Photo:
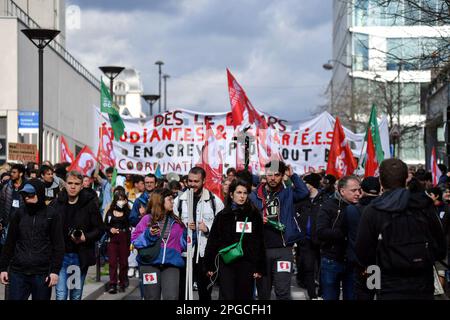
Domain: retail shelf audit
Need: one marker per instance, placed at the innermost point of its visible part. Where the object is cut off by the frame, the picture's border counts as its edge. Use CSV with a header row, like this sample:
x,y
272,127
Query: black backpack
x,y
405,244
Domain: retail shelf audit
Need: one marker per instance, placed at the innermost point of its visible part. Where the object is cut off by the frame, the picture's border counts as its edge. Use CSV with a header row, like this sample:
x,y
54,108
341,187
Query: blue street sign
x,y
28,120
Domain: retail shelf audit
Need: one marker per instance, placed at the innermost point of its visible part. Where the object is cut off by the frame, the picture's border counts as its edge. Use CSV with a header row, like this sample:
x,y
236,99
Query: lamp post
x,y
159,63
111,72
151,99
165,77
41,38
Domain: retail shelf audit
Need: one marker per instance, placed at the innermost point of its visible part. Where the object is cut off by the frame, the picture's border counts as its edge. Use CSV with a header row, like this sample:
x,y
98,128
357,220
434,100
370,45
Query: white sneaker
x,y
136,273
130,272
318,298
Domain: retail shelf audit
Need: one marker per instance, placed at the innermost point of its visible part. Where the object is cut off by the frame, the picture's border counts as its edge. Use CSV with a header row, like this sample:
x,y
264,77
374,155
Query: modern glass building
x,y
383,55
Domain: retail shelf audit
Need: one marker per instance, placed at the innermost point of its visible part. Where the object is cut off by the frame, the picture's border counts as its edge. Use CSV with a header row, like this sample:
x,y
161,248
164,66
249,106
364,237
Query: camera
x,y
76,233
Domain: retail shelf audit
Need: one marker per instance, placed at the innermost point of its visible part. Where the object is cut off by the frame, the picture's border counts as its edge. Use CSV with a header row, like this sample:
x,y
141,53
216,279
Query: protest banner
x,y
175,139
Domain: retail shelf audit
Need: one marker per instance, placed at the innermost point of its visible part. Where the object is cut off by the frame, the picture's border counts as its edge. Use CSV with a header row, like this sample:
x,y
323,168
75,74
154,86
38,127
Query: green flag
x,y
114,179
107,106
373,125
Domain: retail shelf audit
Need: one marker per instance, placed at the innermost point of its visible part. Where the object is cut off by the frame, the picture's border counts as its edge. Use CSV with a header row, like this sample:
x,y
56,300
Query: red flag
x,y
340,159
85,162
212,163
66,154
371,169
105,154
435,171
242,110
245,115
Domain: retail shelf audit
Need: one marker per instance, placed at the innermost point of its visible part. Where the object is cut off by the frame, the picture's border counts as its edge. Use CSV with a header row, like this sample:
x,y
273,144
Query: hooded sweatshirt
x,y
35,243
376,214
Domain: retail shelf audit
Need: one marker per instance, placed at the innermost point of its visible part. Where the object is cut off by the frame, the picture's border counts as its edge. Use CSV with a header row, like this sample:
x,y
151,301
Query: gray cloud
x,y
274,48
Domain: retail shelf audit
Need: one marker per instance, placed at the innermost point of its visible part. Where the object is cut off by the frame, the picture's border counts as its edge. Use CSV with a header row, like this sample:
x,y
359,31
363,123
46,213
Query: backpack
x,y
405,244
212,202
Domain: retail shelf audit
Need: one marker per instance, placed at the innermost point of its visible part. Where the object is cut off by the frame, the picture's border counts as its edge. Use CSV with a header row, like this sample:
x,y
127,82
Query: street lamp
x,y
330,66
41,38
165,77
151,99
111,72
159,63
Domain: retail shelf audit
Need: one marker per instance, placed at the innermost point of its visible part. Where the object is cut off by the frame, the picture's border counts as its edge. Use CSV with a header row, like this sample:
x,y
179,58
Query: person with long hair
x,y
236,279
118,227
160,276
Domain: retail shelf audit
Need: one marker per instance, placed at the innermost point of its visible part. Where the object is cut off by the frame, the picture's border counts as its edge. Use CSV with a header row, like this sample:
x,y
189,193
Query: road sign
x,y
28,122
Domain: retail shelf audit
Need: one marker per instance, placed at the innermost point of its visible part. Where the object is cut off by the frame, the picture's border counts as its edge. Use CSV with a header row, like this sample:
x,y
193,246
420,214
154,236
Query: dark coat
x,y
350,225
223,233
35,243
330,231
372,220
6,201
88,219
307,211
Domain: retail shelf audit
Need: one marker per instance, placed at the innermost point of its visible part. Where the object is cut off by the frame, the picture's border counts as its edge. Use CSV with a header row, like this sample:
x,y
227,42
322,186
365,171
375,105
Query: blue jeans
x,y
71,279
22,285
332,274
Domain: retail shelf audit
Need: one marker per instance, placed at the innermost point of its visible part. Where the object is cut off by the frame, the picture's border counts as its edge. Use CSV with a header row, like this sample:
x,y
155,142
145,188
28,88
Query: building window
x,y
120,100
120,88
415,53
361,12
360,52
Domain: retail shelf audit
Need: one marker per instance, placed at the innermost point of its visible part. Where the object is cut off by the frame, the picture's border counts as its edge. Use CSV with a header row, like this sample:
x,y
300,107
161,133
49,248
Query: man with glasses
x,y
276,203
334,266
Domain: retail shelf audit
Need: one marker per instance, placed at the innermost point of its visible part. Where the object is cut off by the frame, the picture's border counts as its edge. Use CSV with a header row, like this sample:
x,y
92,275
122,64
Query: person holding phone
x,y
34,248
160,276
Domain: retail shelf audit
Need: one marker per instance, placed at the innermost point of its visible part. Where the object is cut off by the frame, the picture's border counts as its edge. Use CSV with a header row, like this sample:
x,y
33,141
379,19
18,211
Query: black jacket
x,y
350,225
223,233
122,223
88,219
307,211
329,229
35,243
374,217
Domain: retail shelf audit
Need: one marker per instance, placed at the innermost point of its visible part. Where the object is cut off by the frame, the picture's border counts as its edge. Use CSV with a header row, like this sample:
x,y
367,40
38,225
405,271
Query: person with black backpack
x,y
401,234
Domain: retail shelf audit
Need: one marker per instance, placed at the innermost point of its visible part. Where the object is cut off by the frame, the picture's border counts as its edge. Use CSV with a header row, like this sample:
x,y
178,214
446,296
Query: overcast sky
x,y
274,48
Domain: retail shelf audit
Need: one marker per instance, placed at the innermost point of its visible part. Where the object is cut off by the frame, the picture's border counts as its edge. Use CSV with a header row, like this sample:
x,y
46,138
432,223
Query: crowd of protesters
x,y
328,232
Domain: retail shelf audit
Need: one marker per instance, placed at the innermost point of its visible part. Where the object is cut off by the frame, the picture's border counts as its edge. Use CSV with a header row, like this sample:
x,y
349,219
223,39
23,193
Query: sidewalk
x,y
92,290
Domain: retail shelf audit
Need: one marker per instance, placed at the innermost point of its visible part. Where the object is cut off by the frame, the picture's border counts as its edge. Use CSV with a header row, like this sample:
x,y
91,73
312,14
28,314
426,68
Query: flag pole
x,y
188,284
